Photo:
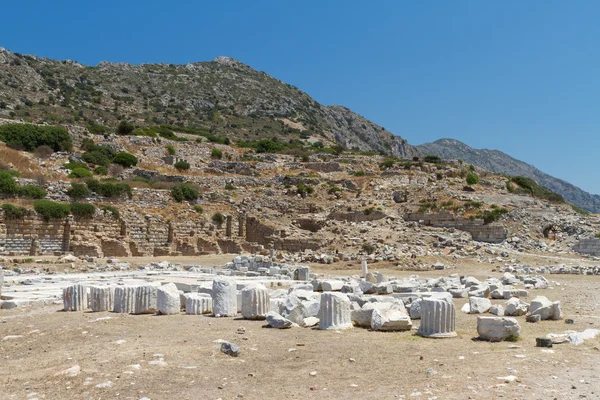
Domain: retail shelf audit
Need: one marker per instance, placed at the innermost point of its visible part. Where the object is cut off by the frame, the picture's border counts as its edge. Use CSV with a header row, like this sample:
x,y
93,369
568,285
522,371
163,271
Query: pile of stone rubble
x,y
553,269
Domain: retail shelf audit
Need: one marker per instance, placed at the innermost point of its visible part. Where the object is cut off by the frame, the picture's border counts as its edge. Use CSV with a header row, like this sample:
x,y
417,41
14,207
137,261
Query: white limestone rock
x,y
224,298
497,309
496,329
276,321
332,285
516,307
415,309
390,320
168,300
479,305
545,308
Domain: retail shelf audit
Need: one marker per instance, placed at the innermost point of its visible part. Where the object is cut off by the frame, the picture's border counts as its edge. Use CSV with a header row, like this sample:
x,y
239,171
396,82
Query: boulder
x,y
277,321
390,320
516,307
332,285
479,305
545,308
168,300
496,329
497,309
415,309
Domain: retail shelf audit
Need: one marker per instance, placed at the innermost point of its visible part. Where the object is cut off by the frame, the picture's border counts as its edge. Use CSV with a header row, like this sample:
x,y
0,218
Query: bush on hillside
x,y
80,173
79,191
218,218
14,212
82,210
472,179
29,137
49,209
125,128
125,159
8,184
107,189
182,165
185,191
112,210
32,192
216,153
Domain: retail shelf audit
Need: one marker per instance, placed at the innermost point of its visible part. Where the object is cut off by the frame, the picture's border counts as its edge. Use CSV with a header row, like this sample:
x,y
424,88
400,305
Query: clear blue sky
x,y
519,76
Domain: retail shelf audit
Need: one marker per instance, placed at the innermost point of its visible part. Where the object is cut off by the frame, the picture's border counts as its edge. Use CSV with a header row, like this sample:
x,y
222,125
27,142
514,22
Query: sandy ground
x,y
176,357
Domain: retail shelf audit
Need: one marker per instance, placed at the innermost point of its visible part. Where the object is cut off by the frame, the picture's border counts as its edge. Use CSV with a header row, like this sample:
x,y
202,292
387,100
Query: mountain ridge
x,y
502,163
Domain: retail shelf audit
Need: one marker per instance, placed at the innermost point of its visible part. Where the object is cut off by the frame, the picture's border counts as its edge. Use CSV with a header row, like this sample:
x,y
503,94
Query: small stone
x,y
543,342
230,349
313,373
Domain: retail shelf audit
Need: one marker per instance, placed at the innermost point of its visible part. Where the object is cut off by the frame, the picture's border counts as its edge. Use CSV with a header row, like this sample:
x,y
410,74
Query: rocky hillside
x,y
223,97
499,162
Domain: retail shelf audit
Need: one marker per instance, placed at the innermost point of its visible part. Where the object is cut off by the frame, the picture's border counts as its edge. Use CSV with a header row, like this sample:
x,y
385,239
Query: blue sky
x,y
521,77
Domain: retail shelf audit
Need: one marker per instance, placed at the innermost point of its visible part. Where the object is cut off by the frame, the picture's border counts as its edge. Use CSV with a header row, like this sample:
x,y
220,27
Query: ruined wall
x,y
266,235
589,246
477,229
104,236
357,216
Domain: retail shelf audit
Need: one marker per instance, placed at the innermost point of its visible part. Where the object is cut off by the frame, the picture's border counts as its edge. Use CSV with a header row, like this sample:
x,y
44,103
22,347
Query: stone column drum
x,y
335,311
146,299
75,298
365,269
224,295
101,298
198,303
255,302
124,299
437,318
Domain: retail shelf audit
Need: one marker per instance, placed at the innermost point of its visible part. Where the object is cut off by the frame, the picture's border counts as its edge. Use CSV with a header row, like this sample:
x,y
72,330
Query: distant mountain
x,y
499,162
224,96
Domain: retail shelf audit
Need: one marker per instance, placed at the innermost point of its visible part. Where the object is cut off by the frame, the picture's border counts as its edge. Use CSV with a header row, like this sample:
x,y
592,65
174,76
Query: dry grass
x,y
20,162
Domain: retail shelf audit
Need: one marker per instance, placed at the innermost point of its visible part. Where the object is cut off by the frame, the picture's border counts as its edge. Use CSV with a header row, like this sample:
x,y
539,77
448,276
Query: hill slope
x,y
499,162
223,96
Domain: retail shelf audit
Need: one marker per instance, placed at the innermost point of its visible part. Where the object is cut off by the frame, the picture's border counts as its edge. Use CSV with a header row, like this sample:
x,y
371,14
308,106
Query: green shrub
x,y
101,170
125,159
79,191
492,215
80,173
171,150
107,189
510,187
229,186
125,128
528,185
359,173
216,153
32,192
8,185
369,210
198,209
368,248
218,218
472,179
112,210
579,210
303,189
29,137
182,165
49,209
432,159
99,155
387,164
14,212
82,210
185,191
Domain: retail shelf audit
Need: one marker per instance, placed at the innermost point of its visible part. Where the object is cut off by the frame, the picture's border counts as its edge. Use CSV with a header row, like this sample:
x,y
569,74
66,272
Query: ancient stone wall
x,y
588,246
477,229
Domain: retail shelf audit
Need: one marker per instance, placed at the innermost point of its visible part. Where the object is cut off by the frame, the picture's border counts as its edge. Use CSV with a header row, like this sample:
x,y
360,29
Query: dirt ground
x,y
177,357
